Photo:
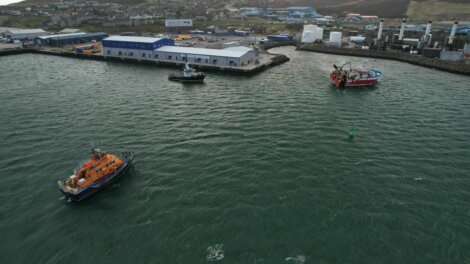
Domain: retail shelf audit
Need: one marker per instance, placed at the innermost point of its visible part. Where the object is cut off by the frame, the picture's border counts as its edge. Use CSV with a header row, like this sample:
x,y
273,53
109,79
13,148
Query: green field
x,y
23,22
434,9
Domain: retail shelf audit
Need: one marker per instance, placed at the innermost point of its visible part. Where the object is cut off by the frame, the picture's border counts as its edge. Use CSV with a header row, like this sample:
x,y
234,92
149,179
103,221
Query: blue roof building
x,y
133,47
252,11
137,43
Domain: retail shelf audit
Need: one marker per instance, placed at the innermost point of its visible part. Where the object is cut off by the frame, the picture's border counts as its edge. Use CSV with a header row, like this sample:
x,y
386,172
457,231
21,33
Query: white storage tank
x,y
319,33
335,37
453,56
308,37
357,39
311,28
466,49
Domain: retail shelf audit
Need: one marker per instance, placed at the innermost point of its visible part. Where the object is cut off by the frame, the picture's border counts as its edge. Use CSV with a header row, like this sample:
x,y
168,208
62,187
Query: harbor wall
x,y
5,52
434,63
275,60
275,44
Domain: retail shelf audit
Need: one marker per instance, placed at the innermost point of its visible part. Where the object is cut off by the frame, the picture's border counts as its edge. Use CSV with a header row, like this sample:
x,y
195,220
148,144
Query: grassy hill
x,y
434,9
382,8
419,9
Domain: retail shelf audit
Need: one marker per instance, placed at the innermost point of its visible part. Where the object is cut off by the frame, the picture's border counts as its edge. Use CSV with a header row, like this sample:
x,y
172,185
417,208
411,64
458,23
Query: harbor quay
x,y
234,59
446,50
434,63
266,61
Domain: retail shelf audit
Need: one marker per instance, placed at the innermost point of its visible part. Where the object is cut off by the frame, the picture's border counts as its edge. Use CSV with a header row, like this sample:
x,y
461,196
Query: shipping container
x,y
431,52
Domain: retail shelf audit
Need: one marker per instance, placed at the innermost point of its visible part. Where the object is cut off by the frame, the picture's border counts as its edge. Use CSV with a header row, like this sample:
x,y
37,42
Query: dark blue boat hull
x,y
127,158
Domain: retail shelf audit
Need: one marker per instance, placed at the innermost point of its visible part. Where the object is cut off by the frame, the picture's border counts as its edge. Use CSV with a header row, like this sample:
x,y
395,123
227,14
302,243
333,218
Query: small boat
x,y
99,171
189,75
358,77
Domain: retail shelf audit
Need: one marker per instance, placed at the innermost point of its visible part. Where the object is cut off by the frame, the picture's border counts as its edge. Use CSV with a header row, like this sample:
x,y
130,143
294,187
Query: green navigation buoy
x,y
352,132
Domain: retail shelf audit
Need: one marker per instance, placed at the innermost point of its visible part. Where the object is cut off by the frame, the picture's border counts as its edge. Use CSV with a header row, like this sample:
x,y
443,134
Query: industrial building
x,y
69,31
178,23
24,34
251,11
232,56
303,11
61,40
3,30
133,47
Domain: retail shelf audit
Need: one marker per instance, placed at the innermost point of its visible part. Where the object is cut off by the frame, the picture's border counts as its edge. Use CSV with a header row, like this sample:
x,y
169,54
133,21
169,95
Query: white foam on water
x,y
363,161
215,252
300,259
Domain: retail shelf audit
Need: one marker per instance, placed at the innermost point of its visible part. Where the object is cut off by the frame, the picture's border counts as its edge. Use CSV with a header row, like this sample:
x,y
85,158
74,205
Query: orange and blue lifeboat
x,y
96,173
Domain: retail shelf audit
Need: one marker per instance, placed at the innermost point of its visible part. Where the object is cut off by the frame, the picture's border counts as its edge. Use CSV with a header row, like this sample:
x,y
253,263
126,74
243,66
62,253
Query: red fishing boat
x,y
358,77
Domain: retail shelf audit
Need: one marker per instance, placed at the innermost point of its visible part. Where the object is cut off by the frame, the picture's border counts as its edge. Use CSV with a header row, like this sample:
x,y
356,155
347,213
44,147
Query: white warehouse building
x,y
233,56
169,23
24,34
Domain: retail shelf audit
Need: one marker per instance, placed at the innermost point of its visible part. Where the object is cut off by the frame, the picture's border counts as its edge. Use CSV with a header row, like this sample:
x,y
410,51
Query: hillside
x,y
418,9
382,8
434,9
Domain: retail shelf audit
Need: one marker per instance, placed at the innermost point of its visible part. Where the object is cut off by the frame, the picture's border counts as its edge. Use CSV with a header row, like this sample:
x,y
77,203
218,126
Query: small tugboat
x,y
359,77
189,76
100,170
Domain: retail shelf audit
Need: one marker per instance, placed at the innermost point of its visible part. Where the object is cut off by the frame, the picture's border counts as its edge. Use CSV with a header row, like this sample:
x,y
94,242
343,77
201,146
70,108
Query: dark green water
x,y
258,169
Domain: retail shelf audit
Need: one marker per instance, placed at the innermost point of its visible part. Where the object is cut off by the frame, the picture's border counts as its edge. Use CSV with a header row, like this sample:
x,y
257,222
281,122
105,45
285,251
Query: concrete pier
x,y
11,49
267,60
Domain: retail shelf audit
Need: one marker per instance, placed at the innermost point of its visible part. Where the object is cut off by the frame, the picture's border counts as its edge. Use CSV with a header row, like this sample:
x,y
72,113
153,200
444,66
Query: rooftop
x,y
26,31
4,29
70,30
239,48
208,52
133,39
61,35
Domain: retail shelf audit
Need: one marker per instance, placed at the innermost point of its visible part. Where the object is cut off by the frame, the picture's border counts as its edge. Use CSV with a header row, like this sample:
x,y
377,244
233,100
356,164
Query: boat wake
x,y
215,252
300,259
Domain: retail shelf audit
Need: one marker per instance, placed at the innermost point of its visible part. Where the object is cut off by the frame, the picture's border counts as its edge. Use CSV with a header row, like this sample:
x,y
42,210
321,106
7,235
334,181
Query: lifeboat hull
x,y
127,158
190,79
353,83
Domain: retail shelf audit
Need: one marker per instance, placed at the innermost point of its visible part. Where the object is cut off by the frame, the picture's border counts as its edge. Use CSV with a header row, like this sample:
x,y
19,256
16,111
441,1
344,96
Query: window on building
x,y
156,56
131,54
109,52
120,53
169,57
143,55
214,61
207,61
